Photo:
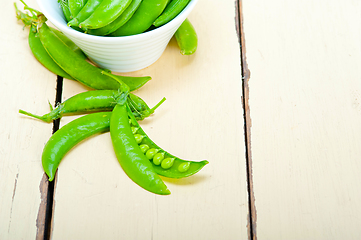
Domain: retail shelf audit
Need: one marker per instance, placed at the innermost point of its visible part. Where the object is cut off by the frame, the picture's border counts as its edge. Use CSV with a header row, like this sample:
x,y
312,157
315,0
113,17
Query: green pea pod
x,y
142,19
75,6
117,23
69,43
129,155
93,101
42,56
170,12
68,136
177,169
66,10
77,67
85,12
106,13
186,38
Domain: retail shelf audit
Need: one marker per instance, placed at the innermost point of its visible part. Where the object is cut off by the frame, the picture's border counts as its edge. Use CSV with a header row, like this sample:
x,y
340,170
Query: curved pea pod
x,y
69,43
105,13
142,19
66,10
118,22
68,136
179,168
78,68
131,158
75,6
42,56
187,38
85,12
170,12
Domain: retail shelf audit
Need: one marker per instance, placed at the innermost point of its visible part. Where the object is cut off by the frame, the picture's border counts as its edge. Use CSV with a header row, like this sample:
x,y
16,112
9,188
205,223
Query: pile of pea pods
x,y
116,18
110,106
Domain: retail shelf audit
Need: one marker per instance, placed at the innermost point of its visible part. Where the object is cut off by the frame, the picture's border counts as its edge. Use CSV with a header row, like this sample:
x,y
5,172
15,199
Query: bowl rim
x,y
68,30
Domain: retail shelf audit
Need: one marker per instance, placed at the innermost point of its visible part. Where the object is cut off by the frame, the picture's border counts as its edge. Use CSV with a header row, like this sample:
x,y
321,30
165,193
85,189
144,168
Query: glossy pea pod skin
x,y
118,22
186,38
66,10
175,171
90,101
75,6
142,19
68,136
85,12
105,13
69,43
77,67
170,12
42,56
129,155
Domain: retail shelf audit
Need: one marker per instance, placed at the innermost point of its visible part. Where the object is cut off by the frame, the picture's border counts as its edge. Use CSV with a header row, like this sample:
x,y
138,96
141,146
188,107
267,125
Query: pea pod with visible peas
x,y
142,19
129,155
68,136
173,167
170,12
187,38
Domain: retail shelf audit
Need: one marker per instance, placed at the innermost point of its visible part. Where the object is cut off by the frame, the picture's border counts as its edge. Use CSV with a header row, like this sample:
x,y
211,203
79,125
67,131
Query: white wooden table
x,y
272,99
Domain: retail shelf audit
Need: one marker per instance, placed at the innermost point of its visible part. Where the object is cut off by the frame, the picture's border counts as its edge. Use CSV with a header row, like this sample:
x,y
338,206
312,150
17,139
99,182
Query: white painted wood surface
x,y
24,84
305,93
201,119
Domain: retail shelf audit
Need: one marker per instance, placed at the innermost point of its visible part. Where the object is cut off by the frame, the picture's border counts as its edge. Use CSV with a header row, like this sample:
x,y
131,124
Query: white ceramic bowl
x,y
119,54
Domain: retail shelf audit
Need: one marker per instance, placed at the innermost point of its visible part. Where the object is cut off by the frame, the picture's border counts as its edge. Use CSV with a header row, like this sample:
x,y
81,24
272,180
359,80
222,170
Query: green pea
x,y
167,163
158,158
183,167
134,130
151,152
138,138
144,147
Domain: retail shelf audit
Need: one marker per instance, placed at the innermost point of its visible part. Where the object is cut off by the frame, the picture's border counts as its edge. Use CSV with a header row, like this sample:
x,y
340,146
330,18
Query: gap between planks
x,y
252,213
44,221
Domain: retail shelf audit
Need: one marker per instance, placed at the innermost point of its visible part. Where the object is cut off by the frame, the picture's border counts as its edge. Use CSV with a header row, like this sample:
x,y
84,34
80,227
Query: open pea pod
x,y
179,168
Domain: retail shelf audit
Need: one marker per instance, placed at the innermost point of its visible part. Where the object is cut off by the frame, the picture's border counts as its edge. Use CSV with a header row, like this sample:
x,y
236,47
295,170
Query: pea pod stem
x,y
94,101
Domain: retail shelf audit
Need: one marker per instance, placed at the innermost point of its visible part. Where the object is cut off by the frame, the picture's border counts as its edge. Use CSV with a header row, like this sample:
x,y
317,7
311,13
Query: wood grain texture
x,y
304,90
24,84
201,119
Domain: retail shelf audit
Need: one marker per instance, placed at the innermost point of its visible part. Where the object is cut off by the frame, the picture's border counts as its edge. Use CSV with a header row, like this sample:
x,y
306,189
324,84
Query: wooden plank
x,y
304,98
201,119
24,84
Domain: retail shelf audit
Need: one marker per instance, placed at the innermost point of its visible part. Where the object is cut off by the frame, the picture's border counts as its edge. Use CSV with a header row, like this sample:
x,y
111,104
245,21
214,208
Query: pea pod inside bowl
x,y
118,53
